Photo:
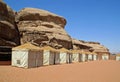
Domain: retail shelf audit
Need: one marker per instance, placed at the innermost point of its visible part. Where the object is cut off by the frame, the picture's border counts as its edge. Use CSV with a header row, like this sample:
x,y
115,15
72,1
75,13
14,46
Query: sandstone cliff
x,y
91,46
39,27
9,34
43,28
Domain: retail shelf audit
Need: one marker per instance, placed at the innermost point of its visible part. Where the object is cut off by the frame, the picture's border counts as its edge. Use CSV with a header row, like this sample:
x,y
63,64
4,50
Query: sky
x,y
89,20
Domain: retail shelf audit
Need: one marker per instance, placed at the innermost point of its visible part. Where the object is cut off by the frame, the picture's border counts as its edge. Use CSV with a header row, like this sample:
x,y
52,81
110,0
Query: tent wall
x,y
70,57
67,58
75,57
90,57
99,56
35,59
112,57
86,57
46,56
117,58
83,57
39,58
57,58
63,57
51,58
32,59
20,58
105,57
80,57
94,57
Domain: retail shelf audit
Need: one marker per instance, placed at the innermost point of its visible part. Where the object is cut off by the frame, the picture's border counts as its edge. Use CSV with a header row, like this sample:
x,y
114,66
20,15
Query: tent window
x,y
18,61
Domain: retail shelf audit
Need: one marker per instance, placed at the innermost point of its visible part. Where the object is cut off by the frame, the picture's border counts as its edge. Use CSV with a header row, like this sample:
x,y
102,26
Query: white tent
x,y
90,56
75,55
49,55
94,56
105,57
27,56
64,56
118,57
57,57
83,56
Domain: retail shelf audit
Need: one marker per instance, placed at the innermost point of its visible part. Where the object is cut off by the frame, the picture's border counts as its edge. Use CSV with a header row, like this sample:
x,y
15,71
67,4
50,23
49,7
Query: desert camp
x,y
59,41
29,55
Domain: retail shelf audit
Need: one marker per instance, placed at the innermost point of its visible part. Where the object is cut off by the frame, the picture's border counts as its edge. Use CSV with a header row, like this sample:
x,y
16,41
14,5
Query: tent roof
x,y
26,46
94,53
48,48
83,52
76,51
118,55
88,52
64,50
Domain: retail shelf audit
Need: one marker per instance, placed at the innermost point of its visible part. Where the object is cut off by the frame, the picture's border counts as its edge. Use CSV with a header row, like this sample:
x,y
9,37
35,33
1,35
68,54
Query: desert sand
x,y
93,71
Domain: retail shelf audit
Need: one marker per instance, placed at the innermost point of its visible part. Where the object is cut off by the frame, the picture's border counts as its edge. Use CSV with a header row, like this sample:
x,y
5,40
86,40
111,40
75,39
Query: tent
x,y
118,57
50,55
75,55
27,56
105,57
90,56
112,57
64,56
83,56
94,56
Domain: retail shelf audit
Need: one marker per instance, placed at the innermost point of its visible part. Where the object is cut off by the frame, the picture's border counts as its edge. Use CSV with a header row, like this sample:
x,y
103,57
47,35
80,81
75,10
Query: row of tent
x,y
117,57
28,56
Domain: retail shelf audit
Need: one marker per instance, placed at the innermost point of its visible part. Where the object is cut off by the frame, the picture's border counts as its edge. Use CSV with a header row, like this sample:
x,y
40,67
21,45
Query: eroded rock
x,y
36,25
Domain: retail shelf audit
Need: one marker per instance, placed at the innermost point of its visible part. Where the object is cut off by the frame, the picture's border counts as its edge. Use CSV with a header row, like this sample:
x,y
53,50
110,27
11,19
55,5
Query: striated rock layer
x,y
39,27
43,28
91,46
9,34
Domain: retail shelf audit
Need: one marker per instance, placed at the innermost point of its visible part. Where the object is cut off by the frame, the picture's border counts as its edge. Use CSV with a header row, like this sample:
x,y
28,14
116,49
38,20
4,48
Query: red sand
x,y
94,71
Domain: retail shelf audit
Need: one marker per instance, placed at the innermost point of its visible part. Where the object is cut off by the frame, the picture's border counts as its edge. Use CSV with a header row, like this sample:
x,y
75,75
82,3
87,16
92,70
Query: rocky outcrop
x,y
79,45
97,47
42,28
91,46
39,27
9,34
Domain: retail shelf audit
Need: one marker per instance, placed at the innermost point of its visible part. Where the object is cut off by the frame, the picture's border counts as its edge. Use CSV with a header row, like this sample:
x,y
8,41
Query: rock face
x,y
42,28
79,45
9,34
39,27
91,46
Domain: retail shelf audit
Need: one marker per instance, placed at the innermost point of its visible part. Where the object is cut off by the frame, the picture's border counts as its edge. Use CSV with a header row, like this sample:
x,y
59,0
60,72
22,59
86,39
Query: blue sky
x,y
89,20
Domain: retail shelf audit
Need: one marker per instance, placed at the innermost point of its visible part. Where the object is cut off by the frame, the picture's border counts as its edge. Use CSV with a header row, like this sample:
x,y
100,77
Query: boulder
x,y
42,27
9,34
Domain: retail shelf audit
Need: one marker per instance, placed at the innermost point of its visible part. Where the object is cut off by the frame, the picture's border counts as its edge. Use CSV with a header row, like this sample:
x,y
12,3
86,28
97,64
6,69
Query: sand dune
x,y
94,71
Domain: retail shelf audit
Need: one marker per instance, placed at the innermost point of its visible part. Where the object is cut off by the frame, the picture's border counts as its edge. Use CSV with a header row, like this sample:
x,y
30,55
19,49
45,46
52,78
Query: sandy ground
x,y
94,71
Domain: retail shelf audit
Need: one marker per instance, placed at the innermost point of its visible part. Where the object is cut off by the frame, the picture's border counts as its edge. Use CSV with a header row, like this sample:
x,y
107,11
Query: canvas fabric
x,y
90,57
94,57
35,59
20,58
46,56
105,57
75,57
117,58
63,57
83,58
